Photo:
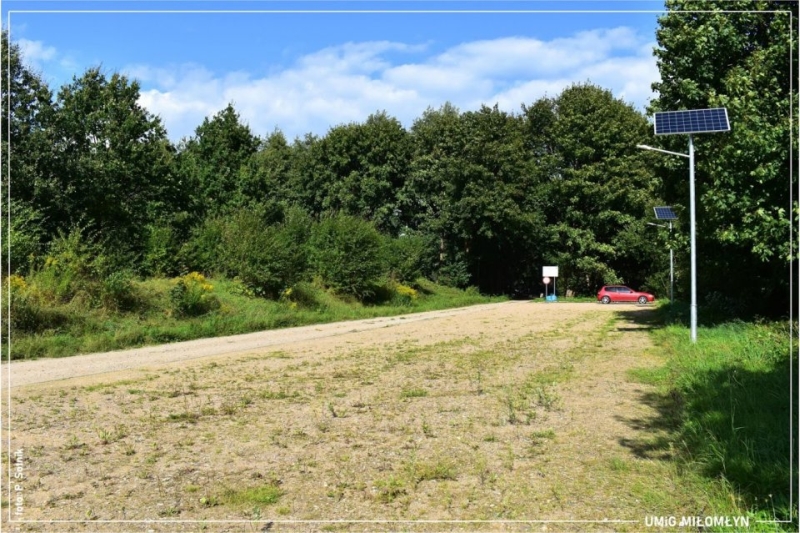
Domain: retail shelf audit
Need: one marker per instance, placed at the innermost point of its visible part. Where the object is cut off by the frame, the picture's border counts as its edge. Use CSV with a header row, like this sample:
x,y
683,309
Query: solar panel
x,y
665,213
692,121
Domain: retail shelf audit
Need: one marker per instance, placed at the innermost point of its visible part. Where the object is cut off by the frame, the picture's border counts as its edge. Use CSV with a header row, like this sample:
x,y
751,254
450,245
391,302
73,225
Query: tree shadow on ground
x,y
727,421
640,318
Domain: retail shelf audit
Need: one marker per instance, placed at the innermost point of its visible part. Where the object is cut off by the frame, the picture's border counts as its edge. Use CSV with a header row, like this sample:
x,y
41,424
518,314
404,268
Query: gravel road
x,y
21,373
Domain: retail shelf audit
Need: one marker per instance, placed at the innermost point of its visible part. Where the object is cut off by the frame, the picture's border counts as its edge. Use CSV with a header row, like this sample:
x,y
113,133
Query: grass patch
x,y
438,469
266,495
388,490
725,404
88,330
618,465
413,393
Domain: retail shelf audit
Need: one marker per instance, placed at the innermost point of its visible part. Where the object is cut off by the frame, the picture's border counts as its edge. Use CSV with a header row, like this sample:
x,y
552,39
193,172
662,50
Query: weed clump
x,y
191,296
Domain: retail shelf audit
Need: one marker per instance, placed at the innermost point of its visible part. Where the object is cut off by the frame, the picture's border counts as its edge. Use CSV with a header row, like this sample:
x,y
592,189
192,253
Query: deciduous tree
x,y
737,55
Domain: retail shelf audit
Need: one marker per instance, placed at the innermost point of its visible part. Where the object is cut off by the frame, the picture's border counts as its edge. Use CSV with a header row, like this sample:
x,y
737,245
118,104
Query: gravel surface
x,y
513,416
22,373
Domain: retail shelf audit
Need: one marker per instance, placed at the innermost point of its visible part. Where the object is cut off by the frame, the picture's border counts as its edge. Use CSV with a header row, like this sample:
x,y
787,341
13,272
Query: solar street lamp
x,y
689,122
666,213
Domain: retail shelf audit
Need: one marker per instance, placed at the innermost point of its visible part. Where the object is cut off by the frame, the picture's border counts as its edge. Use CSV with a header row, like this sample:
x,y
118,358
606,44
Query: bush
x,y
161,250
304,294
26,236
74,264
266,255
454,273
202,252
117,292
404,295
191,296
27,313
411,256
266,259
348,255
55,281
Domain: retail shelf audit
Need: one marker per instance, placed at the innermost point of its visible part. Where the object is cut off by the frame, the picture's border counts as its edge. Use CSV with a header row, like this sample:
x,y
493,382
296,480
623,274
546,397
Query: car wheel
x,y
605,300
642,300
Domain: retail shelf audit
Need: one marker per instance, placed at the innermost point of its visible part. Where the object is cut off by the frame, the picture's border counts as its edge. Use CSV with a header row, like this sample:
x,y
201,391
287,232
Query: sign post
x,y
547,273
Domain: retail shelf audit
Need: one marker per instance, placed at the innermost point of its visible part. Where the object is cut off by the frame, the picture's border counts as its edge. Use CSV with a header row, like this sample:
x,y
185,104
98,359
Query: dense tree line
x,y
481,198
738,55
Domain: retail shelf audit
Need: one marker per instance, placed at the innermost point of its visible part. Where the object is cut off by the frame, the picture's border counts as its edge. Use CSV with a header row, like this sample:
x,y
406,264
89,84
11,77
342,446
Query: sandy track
x,y
21,373
513,411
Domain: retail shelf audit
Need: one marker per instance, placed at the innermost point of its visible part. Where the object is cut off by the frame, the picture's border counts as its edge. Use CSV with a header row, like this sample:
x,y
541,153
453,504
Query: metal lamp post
x,y
689,122
671,263
690,156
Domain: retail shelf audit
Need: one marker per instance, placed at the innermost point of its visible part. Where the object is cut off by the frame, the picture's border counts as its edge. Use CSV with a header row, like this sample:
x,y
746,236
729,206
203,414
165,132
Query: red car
x,y
621,293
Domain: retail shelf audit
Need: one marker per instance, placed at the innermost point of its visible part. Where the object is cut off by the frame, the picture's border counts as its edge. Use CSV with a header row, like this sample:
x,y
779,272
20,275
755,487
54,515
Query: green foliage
x,y
474,188
266,258
48,329
201,251
28,314
267,172
480,198
113,162
76,272
161,250
410,256
727,398
71,266
210,162
600,189
737,55
403,294
26,234
347,253
364,167
454,273
27,116
117,292
264,248
191,296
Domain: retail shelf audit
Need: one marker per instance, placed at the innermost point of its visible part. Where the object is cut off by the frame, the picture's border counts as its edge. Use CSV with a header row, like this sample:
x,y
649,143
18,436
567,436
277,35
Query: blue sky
x,y
304,72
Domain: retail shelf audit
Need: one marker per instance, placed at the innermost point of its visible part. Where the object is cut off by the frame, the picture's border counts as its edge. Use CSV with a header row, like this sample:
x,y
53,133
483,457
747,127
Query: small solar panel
x,y
665,213
692,121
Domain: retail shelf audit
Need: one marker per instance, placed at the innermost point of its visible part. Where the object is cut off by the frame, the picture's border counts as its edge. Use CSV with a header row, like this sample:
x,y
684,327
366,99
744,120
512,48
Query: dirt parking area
x,y
503,417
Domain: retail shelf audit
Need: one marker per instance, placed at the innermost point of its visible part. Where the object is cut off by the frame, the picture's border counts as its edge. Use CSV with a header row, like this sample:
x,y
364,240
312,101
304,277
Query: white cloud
x,y
35,53
346,83
55,67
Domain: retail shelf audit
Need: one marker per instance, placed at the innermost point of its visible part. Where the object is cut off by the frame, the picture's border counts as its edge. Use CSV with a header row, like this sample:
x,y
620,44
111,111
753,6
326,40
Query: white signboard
x,y
551,271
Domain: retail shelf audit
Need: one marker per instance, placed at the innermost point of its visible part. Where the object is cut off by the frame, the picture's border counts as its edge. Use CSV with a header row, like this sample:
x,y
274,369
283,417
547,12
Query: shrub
x,y
266,258
71,266
27,313
191,296
454,274
203,249
117,292
347,253
161,250
404,295
411,256
26,235
304,294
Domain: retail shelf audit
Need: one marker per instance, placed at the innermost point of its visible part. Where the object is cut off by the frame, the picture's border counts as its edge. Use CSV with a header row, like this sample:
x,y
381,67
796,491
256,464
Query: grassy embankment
x,y
726,402
151,316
